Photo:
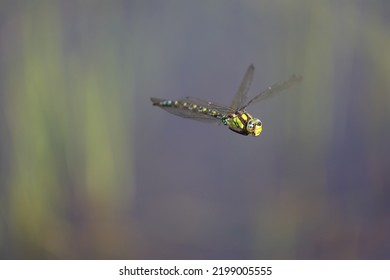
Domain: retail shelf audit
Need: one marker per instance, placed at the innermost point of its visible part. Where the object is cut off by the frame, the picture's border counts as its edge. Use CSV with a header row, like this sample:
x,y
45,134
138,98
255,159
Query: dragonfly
x,y
235,116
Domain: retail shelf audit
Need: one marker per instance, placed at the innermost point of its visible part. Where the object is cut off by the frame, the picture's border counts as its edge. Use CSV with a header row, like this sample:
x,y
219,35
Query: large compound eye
x,y
258,128
250,125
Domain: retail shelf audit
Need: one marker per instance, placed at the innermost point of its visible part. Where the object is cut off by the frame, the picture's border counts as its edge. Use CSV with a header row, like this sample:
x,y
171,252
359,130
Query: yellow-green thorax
x,y
243,123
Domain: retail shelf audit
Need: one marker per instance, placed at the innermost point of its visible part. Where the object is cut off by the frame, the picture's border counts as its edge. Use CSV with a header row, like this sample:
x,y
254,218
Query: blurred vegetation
x,y
66,112
87,171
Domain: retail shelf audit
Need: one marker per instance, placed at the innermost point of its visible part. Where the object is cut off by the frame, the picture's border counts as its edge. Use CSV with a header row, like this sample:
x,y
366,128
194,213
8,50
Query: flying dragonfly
x,y
234,116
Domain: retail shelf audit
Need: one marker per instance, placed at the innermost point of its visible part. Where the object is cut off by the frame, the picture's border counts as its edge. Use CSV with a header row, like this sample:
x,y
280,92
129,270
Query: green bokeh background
x,y
89,169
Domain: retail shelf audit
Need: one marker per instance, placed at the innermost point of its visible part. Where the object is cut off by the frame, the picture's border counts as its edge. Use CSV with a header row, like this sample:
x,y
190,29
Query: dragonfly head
x,y
254,127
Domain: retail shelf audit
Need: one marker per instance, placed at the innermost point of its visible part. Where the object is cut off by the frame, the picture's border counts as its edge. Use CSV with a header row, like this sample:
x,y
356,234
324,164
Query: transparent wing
x,y
241,95
223,109
194,114
275,88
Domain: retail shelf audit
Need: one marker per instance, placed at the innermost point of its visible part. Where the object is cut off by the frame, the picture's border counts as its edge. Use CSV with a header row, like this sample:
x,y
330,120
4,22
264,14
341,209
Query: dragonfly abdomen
x,y
186,109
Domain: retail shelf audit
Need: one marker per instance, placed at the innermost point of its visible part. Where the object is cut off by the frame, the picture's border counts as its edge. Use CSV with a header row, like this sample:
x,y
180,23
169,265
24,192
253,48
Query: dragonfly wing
x,y
209,105
275,88
241,95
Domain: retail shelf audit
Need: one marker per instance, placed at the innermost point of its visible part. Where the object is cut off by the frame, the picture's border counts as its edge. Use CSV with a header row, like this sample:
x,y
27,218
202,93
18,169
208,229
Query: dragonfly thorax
x,y
243,123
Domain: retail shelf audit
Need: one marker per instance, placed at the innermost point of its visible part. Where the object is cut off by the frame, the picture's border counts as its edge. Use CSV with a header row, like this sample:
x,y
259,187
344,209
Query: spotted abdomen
x,y
187,109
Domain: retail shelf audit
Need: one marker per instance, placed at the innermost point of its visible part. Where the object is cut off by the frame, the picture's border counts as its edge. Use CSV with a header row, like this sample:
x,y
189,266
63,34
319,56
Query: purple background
x,y
90,169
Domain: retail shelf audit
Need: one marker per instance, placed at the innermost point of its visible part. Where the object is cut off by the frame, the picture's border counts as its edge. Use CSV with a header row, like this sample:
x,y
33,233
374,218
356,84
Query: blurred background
x,y
89,169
